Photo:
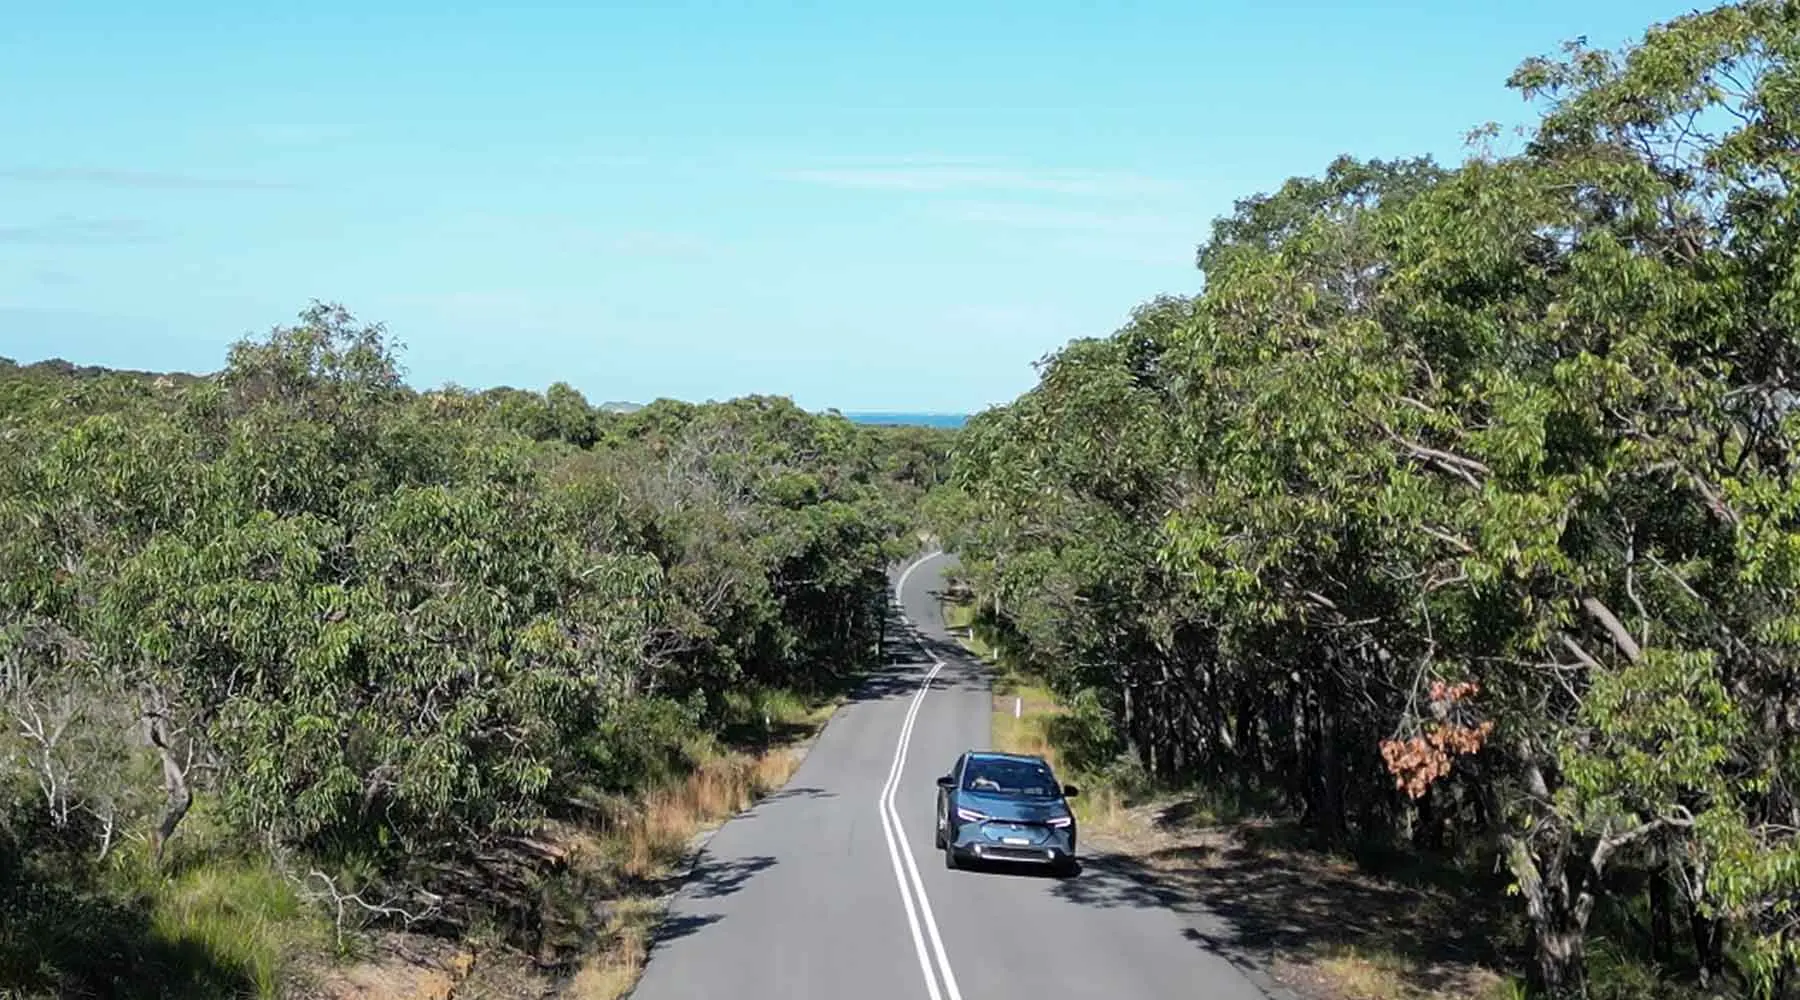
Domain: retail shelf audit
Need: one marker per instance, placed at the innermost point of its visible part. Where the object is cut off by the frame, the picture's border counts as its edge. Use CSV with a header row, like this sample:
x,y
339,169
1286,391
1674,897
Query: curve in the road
x,y
896,832
795,897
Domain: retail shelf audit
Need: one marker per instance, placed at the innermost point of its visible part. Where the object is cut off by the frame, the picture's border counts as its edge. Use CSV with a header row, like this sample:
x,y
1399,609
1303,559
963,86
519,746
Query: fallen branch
x,y
342,901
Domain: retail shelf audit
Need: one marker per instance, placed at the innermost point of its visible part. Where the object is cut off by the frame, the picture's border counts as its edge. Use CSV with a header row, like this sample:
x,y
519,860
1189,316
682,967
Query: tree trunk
x,y
1662,924
1297,769
175,787
1331,776
1709,948
1558,926
1425,826
1560,969
1249,748
1133,745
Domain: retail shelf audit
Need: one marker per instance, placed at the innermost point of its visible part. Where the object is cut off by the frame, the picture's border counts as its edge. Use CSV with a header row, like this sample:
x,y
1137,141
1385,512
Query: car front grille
x,y
1001,852
999,830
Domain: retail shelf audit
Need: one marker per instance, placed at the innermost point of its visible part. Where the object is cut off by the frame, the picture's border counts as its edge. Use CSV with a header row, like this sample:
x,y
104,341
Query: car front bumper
x,y
997,842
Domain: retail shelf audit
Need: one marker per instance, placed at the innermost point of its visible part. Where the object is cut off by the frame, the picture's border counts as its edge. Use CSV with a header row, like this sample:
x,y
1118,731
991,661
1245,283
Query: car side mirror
x,y
946,781
1070,791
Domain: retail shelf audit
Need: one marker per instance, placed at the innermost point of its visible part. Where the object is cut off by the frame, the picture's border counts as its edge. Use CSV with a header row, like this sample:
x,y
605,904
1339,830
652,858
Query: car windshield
x,y
1022,778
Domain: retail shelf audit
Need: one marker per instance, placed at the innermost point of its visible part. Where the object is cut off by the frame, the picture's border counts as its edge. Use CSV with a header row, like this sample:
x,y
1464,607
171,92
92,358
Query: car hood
x,y
1016,810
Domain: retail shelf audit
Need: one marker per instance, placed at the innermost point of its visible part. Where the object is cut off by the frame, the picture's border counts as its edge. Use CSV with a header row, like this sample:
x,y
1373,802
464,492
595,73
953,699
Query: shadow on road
x,y
1018,869
891,683
908,656
1109,880
713,878
676,926
1249,899
802,792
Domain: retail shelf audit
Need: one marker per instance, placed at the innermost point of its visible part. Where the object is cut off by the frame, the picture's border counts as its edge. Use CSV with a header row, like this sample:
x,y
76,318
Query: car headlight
x,y
970,815
1060,821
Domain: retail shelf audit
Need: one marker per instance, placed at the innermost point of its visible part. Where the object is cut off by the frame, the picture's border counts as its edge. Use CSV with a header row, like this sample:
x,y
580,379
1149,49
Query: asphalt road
x,y
831,887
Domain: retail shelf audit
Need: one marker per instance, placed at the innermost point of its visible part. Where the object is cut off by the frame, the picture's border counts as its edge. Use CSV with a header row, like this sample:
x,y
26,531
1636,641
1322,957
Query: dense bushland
x,y
1459,510
363,641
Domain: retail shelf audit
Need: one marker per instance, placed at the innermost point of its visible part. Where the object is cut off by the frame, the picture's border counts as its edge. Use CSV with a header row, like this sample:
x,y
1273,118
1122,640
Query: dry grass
x,y
650,837
1357,972
630,860
611,971
648,844
1350,972
406,967
1021,720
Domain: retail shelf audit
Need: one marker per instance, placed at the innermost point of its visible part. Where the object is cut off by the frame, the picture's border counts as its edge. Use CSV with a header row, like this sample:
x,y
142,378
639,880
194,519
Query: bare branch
x,y
1569,643
1467,468
1621,636
343,902
1449,539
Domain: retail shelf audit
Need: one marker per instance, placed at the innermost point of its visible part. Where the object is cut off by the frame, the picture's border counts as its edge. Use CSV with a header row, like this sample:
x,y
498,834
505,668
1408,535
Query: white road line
x,y
894,845
898,849
912,867
900,585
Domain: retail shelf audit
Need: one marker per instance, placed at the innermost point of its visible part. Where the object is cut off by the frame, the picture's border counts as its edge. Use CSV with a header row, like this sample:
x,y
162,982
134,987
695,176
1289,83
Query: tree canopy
x,y
1461,504
387,630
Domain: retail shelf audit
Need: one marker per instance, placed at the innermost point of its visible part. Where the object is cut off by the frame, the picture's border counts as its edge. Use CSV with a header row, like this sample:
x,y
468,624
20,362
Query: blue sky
x,y
861,206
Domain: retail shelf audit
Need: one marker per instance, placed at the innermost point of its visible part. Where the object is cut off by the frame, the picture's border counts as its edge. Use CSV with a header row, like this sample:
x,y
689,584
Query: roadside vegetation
x,y
1330,922
1423,597
315,684
1454,527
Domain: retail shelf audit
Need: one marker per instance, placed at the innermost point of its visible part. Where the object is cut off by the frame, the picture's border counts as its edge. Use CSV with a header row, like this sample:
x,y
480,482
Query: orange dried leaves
x,y
1417,761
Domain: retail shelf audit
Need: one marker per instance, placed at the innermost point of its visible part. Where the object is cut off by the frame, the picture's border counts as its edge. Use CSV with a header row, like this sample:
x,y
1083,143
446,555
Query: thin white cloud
x,y
70,231
1012,215
1151,239
142,179
944,177
911,160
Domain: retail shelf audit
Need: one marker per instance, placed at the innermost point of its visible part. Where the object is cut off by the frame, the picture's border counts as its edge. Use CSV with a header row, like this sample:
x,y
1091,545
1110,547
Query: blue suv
x,y
1005,807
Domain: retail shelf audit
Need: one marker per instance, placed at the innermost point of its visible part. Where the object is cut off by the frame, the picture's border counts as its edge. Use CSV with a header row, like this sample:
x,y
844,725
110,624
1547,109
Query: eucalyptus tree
x,y
1462,499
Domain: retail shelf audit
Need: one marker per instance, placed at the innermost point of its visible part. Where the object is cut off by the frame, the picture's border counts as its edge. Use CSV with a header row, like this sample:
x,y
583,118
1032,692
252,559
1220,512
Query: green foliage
x,y
382,632
1084,735
1460,507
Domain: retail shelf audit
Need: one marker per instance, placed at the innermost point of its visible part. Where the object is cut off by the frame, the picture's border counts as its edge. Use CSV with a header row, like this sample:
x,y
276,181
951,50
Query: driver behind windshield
x,y
1011,777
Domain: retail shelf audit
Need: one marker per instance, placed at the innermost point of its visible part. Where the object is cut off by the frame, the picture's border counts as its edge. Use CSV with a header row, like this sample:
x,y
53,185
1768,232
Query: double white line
x,y
906,870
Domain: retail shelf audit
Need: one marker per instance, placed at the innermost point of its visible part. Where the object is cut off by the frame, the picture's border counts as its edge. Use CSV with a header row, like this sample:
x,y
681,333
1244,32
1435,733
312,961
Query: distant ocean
x,y
920,419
